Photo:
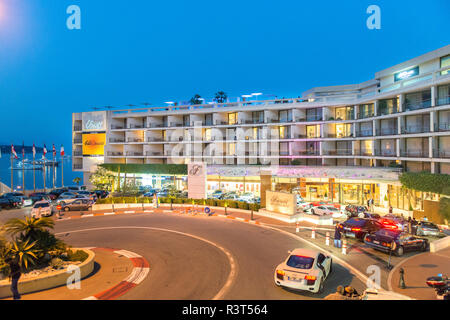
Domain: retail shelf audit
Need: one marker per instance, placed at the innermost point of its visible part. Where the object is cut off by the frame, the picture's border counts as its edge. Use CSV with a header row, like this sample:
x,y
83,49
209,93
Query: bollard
x,y
344,246
297,229
401,283
313,233
327,239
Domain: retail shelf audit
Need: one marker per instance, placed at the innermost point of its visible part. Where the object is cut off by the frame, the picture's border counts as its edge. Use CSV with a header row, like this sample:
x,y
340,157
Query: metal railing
x,y
364,133
414,153
119,140
116,127
135,140
313,118
77,166
338,152
114,154
134,154
443,101
415,129
417,105
387,131
443,126
77,128
77,140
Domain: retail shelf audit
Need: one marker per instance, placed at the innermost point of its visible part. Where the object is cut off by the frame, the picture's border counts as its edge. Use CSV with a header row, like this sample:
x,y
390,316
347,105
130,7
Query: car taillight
x,y
280,274
386,244
310,280
368,240
310,277
356,229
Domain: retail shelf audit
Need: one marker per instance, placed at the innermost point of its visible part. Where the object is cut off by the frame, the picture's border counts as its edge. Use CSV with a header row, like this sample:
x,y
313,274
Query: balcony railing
x,y
153,153
114,126
152,139
77,128
116,140
338,152
417,153
441,154
136,126
313,118
443,126
134,154
157,125
363,115
135,140
385,153
364,153
417,105
77,166
114,154
415,129
443,101
364,133
387,131
300,136
77,153
220,123
335,135
306,153
76,141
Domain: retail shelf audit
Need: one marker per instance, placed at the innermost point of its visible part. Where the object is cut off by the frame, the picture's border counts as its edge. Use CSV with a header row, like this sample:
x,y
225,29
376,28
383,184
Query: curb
x,y
138,274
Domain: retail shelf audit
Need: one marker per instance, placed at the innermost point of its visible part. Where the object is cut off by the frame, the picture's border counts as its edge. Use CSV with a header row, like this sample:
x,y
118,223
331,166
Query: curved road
x,y
191,263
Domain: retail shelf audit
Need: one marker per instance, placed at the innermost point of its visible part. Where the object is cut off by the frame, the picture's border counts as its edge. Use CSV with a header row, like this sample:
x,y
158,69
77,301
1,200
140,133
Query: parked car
x,y
359,227
425,228
38,196
246,197
88,194
76,205
325,203
67,195
217,194
9,203
399,221
26,201
305,270
101,194
231,196
57,192
41,209
395,240
323,210
354,211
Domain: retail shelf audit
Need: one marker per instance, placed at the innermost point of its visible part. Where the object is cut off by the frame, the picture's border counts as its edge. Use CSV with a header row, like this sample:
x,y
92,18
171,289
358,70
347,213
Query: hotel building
x,y
346,143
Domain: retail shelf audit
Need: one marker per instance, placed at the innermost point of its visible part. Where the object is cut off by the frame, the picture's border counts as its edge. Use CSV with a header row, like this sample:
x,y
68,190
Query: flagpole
x,y
12,180
34,173
53,168
62,172
23,168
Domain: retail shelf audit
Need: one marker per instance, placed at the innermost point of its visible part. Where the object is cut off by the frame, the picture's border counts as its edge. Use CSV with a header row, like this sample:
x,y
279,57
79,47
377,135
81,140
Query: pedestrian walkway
x,y
416,270
110,269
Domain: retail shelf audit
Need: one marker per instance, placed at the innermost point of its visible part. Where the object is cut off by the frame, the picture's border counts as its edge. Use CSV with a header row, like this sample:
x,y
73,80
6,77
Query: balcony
x,y
77,128
117,127
136,126
415,129
152,139
77,141
77,154
443,154
134,154
417,153
135,140
176,124
417,105
220,123
114,154
338,152
386,153
299,136
364,133
335,135
364,115
77,166
157,125
443,126
313,118
307,153
387,131
364,153
443,101
116,140
153,153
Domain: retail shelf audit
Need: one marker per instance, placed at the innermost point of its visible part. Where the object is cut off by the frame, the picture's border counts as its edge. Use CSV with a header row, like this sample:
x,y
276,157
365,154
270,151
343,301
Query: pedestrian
x,y
391,209
337,237
338,295
14,277
351,293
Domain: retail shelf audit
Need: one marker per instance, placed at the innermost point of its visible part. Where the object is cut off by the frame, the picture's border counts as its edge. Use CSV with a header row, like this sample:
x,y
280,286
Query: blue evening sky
x,y
130,52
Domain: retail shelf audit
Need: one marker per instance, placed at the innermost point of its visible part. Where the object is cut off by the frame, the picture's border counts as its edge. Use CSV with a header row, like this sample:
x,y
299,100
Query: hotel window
x,y
258,116
208,134
313,131
232,118
343,130
165,121
443,95
314,114
231,149
164,135
445,62
284,132
285,115
186,119
366,111
255,133
208,119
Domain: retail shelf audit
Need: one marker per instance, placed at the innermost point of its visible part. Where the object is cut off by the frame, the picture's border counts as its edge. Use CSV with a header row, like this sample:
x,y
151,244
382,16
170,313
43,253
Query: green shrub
x,y
57,263
444,208
78,255
243,205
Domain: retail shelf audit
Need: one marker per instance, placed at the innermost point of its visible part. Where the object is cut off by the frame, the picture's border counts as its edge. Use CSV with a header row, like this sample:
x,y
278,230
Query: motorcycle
x,y
441,285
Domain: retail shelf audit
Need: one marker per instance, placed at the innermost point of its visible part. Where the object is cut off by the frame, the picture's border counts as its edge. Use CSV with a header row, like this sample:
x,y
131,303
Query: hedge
x,y
426,182
444,208
157,168
204,202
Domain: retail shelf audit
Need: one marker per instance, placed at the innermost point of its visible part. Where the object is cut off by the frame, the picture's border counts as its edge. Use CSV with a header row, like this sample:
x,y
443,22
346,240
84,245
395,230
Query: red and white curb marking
x,y
138,274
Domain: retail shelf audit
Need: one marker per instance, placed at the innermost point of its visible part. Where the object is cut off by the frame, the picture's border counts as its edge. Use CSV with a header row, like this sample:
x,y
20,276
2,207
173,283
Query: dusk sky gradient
x,y
130,52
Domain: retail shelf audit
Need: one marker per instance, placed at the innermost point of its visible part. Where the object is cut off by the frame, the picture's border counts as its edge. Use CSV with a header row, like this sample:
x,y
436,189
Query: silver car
x,y
425,228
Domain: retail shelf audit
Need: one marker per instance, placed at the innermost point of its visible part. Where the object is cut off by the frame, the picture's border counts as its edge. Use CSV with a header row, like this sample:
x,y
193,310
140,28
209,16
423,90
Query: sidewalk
x,y
417,269
110,269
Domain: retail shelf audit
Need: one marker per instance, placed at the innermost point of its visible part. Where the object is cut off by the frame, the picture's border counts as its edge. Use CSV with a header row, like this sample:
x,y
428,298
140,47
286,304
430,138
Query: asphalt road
x,y
185,267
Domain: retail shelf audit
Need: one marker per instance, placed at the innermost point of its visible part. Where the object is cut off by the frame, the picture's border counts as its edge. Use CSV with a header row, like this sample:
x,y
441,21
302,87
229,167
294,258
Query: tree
x,y
29,227
196,99
24,252
220,97
77,180
102,179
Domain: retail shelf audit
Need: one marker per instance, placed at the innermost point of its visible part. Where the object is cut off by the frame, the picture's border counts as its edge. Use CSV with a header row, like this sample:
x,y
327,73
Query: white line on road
x,y
232,261
87,215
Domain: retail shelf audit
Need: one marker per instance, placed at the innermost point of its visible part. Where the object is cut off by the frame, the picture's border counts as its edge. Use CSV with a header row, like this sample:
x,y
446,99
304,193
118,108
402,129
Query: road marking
x,y
128,211
219,296
87,215
108,213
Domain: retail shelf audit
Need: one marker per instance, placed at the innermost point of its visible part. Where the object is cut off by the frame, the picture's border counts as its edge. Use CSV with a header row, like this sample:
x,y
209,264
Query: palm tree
x,y
77,180
23,252
29,227
220,97
196,99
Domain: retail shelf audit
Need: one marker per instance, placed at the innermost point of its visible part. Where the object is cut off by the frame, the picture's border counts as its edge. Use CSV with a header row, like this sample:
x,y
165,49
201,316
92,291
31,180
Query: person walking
x,y
338,295
337,237
14,277
391,209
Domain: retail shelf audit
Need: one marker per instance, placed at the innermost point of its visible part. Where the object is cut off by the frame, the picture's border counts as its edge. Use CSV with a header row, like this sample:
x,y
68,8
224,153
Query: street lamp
x,y
256,94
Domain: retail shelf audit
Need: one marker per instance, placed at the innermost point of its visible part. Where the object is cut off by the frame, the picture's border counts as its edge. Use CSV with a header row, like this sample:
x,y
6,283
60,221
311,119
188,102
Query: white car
x,y
303,205
324,210
304,269
41,209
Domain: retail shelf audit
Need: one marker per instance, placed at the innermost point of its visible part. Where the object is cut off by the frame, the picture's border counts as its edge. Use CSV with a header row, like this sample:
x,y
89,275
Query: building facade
x,y
345,143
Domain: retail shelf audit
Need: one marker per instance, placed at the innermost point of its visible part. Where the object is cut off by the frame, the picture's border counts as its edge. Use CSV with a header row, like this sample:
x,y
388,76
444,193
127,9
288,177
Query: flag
x,y
13,152
54,151
44,152
34,151
62,150
23,150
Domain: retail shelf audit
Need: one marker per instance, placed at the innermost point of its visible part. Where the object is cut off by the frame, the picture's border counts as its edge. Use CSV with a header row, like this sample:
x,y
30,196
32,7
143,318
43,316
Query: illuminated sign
x,y
94,121
281,202
197,180
406,74
94,144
